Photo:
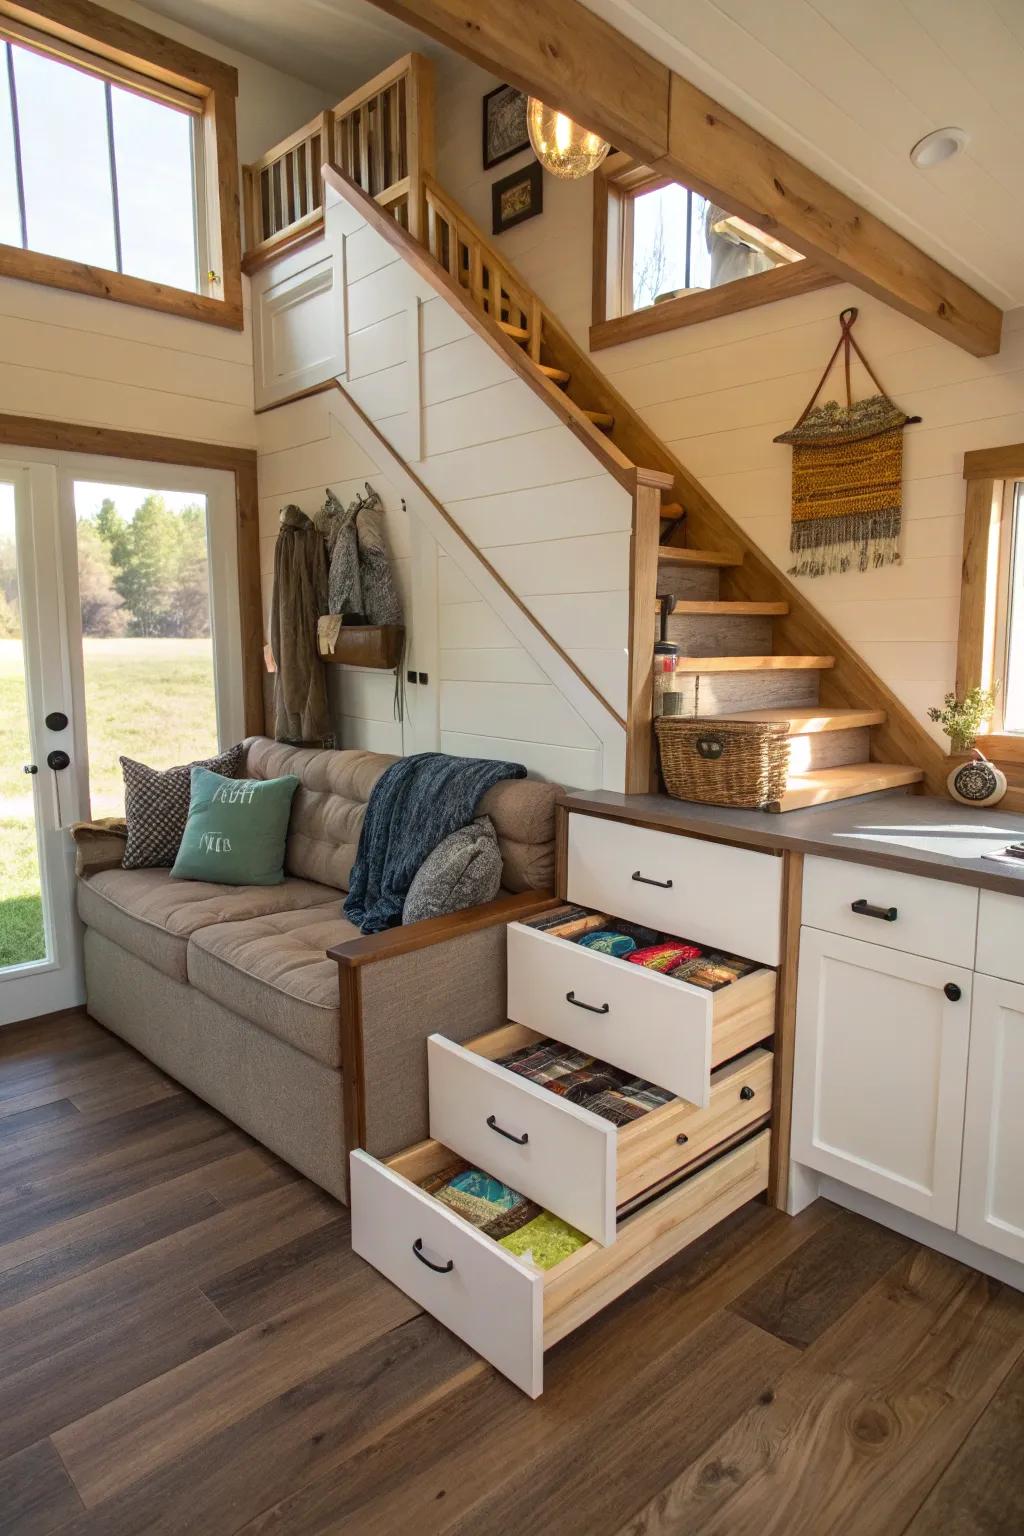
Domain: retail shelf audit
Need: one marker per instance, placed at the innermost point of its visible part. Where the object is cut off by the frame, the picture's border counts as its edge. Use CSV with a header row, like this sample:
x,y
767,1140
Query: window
x,y
117,169
665,256
1009,624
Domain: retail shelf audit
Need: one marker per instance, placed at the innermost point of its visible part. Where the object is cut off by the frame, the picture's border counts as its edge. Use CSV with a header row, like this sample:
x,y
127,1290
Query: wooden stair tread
x,y
515,331
556,375
716,609
825,784
669,555
670,509
754,663
601,420
807,720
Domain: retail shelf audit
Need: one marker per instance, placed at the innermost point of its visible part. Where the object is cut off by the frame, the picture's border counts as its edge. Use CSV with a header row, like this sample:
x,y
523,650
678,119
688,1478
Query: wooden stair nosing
x,y
556,375
809,720
668,554
515,331
715,608
601,419
844,783
754,663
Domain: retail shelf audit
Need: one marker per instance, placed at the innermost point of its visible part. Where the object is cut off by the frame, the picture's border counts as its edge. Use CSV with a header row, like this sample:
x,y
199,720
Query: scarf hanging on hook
x,y
847,475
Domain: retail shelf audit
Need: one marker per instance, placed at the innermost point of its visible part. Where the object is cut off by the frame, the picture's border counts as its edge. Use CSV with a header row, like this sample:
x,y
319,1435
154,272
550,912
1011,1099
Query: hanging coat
x,y
300,596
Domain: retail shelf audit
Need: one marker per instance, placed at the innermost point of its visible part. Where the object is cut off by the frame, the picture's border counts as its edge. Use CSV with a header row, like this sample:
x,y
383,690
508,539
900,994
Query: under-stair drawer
x,y
562,1155
505,1308
658,1028
933,918
731,897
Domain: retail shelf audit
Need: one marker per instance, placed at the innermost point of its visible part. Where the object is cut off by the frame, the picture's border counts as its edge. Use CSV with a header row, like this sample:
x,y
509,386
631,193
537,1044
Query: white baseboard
x,y
921,1231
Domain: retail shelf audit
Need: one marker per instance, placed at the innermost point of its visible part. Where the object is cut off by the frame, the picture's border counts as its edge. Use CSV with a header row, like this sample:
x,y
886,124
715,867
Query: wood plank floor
x,y
188,1345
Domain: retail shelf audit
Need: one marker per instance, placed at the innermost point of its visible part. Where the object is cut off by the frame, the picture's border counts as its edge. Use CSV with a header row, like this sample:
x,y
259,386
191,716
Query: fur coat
x,y
299,598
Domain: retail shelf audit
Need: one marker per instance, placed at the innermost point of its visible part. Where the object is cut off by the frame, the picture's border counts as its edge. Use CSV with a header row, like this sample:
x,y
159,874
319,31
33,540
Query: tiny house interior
x,y
512,791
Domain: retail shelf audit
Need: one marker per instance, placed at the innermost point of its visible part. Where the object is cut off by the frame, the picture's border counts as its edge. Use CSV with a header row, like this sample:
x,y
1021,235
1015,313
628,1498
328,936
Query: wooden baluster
x,y
277,212
364,147
380,156
395,164
476,273
534,327
298,170
419,137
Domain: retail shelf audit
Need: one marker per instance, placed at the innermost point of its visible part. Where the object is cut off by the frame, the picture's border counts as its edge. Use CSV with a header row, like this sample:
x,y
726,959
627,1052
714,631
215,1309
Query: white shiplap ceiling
x,y
845,85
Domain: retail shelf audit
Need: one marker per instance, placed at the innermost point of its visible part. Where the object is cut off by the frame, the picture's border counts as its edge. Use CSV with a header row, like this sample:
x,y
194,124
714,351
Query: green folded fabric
x,y
546,1240
236,829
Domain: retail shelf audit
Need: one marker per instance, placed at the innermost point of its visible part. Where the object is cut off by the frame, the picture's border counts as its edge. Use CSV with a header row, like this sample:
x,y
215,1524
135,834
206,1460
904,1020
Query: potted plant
x,y
961,719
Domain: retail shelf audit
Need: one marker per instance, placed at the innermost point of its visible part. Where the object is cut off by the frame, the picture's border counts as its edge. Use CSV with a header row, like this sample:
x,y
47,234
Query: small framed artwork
x,y
505,132
517,197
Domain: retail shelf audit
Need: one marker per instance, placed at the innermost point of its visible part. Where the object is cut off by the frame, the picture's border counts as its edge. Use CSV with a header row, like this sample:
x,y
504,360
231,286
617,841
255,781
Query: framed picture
x,y
517,197
504,125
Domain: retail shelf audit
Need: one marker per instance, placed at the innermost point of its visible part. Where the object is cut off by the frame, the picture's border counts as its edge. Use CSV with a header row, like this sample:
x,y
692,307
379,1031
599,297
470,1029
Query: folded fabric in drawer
x,y
596,1085
503,1214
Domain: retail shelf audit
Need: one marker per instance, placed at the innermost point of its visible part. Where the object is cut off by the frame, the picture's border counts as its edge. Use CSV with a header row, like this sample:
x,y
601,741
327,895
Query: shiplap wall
x,y
718,393
69,357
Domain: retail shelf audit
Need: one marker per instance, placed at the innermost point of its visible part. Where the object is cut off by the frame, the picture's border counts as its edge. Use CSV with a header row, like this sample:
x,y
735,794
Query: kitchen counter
x,y
921,834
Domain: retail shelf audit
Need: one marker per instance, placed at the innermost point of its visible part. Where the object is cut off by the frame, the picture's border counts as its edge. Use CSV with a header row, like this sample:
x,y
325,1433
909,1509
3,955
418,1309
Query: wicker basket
x,y
723,762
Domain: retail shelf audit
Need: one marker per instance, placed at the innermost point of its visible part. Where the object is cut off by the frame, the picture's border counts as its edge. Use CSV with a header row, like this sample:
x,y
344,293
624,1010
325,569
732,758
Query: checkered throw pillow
x,y
156,807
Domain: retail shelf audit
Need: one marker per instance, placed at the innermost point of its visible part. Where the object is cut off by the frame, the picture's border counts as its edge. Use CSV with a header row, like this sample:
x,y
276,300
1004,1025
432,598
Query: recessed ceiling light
x,y
939,145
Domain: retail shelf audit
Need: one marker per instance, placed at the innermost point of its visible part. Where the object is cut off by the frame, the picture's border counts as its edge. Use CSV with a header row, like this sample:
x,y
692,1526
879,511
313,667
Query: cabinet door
x,y
881,1071
992,1178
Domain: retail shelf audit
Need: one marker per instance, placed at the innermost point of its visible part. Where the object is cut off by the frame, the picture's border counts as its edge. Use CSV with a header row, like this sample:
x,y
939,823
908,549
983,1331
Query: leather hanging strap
x,y
845,343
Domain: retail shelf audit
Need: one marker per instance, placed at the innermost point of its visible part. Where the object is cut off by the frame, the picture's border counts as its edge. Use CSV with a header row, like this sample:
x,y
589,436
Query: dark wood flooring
x,y
188,1345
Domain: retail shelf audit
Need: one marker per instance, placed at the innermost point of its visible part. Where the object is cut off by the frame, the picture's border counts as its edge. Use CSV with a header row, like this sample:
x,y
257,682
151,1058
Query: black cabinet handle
x,y
571,997
865,909
952,991
746,1093
663,885
439,1269
520,1141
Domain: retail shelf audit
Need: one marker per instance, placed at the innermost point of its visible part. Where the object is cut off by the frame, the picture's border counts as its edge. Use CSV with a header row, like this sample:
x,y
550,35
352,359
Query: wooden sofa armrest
x,y
373,947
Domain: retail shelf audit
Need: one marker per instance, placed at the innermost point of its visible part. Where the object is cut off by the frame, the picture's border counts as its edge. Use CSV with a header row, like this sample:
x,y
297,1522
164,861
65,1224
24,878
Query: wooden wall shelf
x,y
368,645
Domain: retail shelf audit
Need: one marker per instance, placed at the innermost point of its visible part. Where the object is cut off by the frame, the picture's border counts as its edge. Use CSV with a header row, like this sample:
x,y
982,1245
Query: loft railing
x,y
455,242
382,136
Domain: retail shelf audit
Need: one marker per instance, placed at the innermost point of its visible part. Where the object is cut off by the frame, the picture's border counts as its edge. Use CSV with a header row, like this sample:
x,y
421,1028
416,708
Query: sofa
x,y
268,1004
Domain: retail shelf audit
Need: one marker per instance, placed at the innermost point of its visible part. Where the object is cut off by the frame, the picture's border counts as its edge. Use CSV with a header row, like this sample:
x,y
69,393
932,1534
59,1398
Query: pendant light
x,y
562,146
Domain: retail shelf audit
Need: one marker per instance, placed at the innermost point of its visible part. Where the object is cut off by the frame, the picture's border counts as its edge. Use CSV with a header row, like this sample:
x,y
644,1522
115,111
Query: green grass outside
x,y
148,699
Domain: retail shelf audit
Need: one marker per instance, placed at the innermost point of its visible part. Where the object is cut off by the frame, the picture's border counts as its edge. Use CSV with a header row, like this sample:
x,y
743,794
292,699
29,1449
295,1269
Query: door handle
x,y
571,997
520,1141
865,909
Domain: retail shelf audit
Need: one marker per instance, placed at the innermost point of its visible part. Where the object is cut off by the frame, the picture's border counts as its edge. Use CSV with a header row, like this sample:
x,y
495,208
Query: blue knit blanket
x,y
414,806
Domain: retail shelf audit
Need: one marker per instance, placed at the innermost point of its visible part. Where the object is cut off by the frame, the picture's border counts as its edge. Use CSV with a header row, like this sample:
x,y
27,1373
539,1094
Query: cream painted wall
x,y
73,358
718,393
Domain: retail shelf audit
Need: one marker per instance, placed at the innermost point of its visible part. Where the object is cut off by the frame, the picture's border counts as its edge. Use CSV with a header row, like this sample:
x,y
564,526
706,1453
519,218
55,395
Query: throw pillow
x,y
236,830
156,806
463,871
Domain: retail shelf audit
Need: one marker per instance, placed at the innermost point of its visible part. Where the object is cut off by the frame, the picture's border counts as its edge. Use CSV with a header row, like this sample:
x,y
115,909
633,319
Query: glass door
x,y
39,966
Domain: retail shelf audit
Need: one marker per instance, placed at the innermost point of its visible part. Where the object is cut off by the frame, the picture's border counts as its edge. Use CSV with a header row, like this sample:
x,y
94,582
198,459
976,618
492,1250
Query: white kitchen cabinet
x,y
880,1071
992,1177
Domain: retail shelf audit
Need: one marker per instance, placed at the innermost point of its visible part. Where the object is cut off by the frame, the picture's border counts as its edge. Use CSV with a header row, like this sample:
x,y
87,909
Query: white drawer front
x,y
725,897
932,917
1001,936
487,1298
563,1156
649,1024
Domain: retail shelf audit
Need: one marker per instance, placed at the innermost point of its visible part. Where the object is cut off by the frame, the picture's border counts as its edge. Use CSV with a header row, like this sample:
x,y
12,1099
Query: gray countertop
x,y
921,834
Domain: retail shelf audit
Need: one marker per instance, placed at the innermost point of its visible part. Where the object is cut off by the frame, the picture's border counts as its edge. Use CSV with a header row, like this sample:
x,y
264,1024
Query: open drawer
x,y
502,1306
654,1026
563,1156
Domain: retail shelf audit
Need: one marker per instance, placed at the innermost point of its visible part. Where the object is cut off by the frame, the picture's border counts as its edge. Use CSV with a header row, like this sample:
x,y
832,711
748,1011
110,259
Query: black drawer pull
x,y
571,997
952,991
439,1269
865,909
664,885
746,1093
520,1141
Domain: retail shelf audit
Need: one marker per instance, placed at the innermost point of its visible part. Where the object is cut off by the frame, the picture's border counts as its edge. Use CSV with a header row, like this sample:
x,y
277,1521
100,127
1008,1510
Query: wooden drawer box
x,y
664,1030
502,1306
568,1159
731,898
934,918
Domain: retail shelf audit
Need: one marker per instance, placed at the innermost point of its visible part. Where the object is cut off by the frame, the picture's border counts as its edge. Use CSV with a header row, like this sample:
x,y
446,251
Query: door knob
x,y
952,991
57,759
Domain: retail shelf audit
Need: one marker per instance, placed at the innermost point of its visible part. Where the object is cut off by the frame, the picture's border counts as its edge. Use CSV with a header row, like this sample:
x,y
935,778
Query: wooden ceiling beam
x,y
562,52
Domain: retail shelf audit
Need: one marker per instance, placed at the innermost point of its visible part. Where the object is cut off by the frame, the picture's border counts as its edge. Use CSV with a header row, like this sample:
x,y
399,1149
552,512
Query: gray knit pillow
x,y
156,806
463,871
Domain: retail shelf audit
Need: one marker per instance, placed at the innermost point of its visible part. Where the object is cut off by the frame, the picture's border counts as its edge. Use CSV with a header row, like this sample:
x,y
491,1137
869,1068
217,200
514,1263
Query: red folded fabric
x,y
664,957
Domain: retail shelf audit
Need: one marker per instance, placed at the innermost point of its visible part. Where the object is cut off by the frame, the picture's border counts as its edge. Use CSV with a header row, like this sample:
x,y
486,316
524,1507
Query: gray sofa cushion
x,y
156,806
153,916
463,871
275,972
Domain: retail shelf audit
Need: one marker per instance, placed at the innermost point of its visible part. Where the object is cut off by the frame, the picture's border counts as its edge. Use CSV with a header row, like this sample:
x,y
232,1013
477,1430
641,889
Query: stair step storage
x,y
843,783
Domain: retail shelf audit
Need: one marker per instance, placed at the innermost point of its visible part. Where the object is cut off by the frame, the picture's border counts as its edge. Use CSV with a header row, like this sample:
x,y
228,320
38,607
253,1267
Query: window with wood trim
x,y
664,256
118,173
990,639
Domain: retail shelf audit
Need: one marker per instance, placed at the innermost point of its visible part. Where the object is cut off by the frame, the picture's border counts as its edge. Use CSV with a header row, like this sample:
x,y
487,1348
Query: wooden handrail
x,y
382,135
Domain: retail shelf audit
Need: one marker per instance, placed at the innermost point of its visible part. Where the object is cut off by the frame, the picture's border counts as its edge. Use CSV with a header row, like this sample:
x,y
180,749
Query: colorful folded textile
x,y
605,1090
545,1241
608,943
486,1203
664,957
713,971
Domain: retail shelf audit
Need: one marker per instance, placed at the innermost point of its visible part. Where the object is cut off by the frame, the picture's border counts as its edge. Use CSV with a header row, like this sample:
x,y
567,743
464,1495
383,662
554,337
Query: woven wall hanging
x,y
847,475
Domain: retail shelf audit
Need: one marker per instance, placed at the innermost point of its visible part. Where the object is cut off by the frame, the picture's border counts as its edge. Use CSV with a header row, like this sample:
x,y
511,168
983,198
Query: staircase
x,y
733,661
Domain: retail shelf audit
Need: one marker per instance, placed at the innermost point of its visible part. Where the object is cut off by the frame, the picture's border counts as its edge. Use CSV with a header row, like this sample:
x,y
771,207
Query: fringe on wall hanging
x,y
847,475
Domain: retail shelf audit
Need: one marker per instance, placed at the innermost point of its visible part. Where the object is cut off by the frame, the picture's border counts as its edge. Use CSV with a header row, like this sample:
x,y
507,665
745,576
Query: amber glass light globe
x,y
562,146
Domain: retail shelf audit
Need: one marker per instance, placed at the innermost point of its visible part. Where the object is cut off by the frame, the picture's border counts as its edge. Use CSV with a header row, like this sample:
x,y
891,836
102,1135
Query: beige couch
x,y
232,991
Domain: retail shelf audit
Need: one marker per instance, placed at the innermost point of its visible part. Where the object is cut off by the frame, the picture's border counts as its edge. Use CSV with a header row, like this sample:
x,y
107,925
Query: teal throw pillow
x,y
236,830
